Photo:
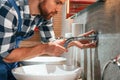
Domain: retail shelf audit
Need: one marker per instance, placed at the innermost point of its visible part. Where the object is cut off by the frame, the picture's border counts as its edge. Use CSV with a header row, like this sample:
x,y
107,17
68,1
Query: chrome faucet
x,y
93,37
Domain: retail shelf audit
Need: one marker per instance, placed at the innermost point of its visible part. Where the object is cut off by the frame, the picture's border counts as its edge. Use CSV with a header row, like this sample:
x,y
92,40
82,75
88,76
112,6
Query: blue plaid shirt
x,y
9,23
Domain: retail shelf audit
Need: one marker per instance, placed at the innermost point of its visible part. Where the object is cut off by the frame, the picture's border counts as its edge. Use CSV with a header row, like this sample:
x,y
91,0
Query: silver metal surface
x,y
80,38
103,17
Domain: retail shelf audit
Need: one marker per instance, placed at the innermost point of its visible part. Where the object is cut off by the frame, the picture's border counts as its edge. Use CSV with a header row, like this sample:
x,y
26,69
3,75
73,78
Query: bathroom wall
x,y
104,17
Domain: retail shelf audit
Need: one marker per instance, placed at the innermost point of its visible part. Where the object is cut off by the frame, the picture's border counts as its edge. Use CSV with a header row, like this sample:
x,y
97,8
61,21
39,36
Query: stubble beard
x,y
43,11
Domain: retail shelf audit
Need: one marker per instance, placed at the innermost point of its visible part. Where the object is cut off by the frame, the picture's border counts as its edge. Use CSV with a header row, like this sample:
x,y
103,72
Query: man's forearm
x,y
20,54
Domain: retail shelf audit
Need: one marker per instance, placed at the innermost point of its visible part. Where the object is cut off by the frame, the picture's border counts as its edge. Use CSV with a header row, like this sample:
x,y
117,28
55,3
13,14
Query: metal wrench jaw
x,y
93,38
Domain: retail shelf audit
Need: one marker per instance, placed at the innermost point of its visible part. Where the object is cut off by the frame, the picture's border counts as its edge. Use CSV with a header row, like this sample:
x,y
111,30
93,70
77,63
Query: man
x,y
33,13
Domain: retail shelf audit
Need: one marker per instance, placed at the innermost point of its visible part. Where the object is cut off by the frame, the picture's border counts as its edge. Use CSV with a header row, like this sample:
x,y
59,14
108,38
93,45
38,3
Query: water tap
x,y
93,38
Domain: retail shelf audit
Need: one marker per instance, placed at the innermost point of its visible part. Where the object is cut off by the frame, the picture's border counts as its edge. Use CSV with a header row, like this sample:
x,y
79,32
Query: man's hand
x,y
55,48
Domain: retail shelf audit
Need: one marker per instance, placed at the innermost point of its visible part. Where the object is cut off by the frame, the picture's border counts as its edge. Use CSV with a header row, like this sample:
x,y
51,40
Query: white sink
x,y
44,60
46,72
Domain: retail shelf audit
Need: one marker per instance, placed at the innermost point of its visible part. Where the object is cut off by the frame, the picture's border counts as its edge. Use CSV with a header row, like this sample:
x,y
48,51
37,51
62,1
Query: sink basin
x,y
44,60
46,72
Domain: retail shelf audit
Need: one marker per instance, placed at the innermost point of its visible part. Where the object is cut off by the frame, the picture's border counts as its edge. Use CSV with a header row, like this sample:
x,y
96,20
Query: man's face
x,y
48,8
